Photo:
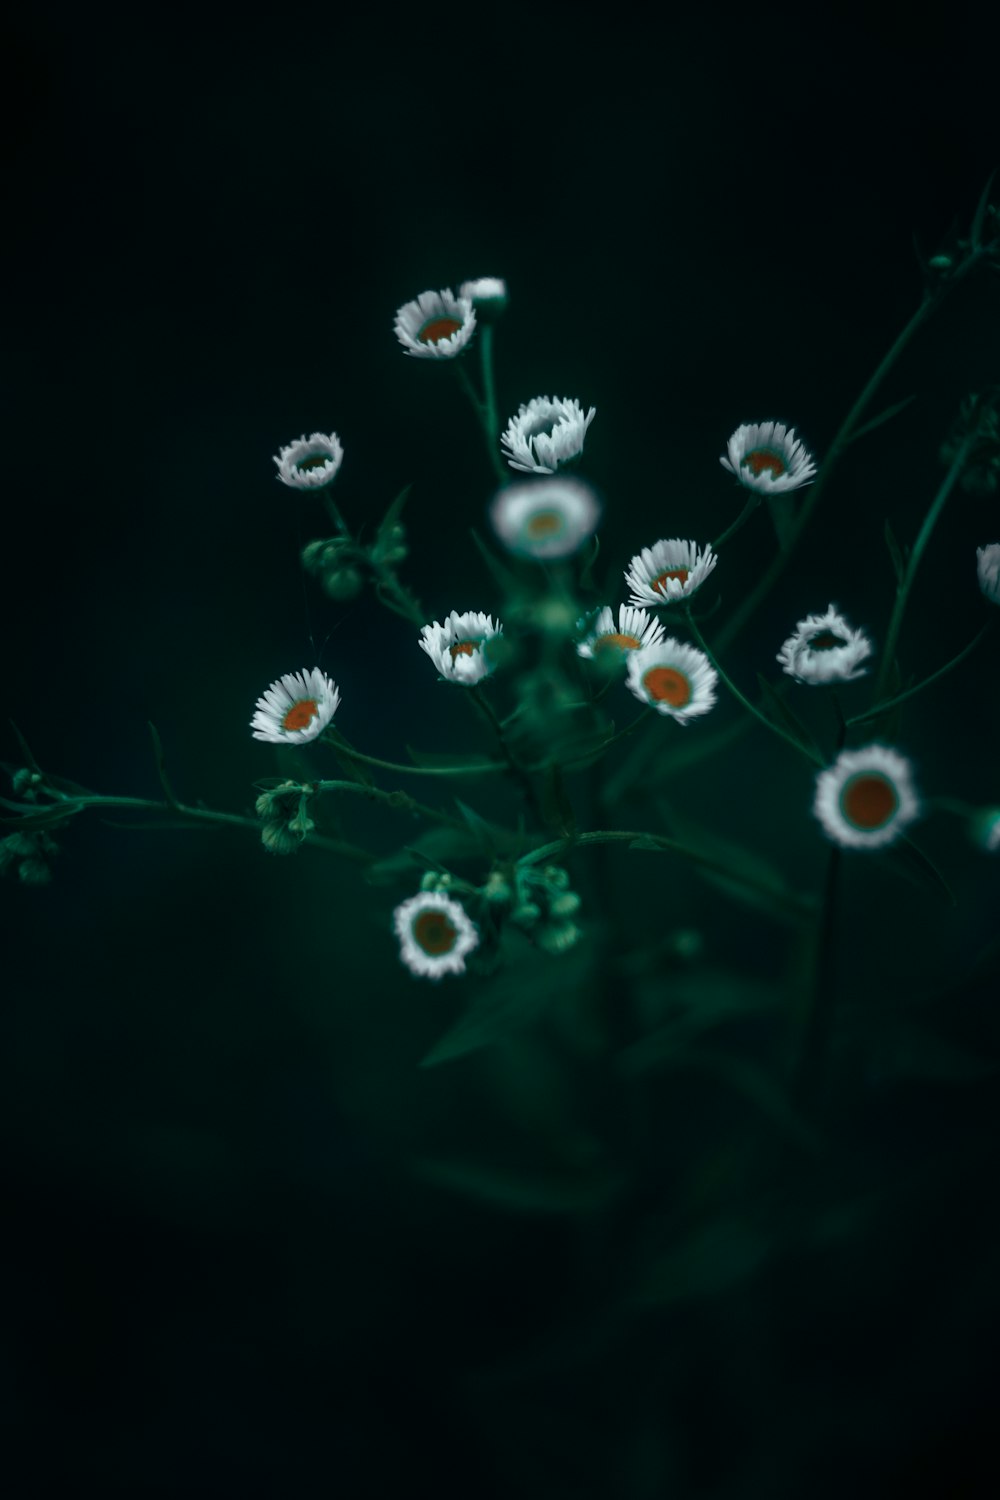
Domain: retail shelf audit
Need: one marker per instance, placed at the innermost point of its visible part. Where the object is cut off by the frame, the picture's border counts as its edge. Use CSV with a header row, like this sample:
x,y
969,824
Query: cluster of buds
x,y
284,815
341,565
543,906
978,427
28,856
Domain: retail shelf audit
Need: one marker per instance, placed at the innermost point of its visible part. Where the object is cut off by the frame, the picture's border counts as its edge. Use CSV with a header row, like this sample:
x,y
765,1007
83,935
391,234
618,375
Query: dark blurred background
x,y
222,1275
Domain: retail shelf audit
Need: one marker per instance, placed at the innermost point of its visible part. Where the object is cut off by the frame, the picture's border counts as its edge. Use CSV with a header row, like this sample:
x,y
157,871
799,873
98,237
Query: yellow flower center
x,y
464,648
667,685
434,932
660,581
615,640
301,714
544,523
436,329
764,458
868,800
825,640
312,461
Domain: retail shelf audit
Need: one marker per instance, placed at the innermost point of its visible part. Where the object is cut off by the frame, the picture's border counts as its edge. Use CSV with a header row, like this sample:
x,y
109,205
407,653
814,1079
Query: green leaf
x,y
781,713
883,416
161,769
694,1003
510,999
914,865
25,748
450,759
433,850
392,515
898,566
556,805
587,571
538,1192
711,1262
481,831
783,511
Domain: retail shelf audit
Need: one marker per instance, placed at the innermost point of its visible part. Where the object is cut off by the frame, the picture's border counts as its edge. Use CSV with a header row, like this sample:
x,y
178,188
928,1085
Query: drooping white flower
x,y
460,648
669,570
546,433
435,934
437,325
310,463
988,571
295,708
768,456
824,648
605,639
866,798
488,295
674,678
545,518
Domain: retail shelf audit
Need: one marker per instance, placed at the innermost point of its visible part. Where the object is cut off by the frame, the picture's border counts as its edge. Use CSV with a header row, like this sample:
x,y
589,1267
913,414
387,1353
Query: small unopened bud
x,y
940,262
557,937
565,905
343,584
556,877
497,890
277,840
526,915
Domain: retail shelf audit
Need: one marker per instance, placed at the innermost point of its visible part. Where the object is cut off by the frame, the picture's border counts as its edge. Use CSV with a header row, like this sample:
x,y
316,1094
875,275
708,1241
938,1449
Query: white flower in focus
x,y
545,518
988,571
605,639
674,678
866,798
438,325
669,570
311,462
768,456
460,647
545,434
435,934
824,648
296,708
488,294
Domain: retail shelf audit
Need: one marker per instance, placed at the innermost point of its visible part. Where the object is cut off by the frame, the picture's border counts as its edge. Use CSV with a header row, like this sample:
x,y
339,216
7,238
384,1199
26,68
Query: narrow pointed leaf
x,y
898,566
914,865
883,416
780,711
982,208
392,515
29,759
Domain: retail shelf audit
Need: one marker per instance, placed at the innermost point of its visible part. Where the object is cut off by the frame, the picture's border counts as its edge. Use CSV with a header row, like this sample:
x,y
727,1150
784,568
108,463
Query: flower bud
x,y
343,584
565,905
526,915
277,840
557,937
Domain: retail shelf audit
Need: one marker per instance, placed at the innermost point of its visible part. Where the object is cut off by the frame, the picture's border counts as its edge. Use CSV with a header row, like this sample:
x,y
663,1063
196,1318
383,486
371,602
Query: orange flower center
x,y
300,715
434,932
436,329
659,582
463,648
764,458
667,685
544,523
615,640
825,640
313,461
868,800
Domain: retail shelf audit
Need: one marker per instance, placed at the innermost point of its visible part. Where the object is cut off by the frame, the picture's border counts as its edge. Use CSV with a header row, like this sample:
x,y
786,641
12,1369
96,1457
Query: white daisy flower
x,y
434,935
296,708
545,434
988,570
438,325
488,294
460,648
311,462
605,639
674,678
768,456
545,518
866,798
669,570
824,648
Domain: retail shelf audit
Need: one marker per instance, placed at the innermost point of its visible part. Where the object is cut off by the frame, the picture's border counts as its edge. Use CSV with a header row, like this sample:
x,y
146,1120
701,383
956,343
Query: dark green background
x,y
222,1276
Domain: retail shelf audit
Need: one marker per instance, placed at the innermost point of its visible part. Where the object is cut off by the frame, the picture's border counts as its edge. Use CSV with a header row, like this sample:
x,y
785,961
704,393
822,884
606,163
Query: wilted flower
x,y
866,798
824,648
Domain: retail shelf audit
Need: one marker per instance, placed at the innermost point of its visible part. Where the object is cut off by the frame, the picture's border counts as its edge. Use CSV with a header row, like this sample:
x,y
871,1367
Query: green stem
x,y
390,765
484,416
514,766
397,597
489,417
399,801
750,708
881,708
913,562
741,520
561,847
770,576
